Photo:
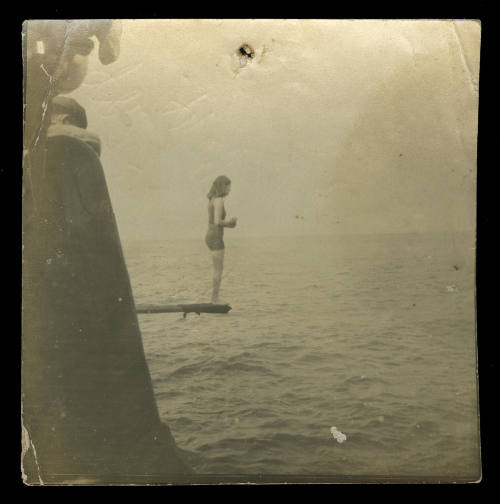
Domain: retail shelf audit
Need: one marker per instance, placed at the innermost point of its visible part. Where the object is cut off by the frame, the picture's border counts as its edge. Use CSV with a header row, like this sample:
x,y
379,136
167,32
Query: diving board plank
x,y
183,308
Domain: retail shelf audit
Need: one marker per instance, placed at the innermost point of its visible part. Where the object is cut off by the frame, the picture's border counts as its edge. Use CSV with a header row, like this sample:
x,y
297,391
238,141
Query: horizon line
x,y
311,235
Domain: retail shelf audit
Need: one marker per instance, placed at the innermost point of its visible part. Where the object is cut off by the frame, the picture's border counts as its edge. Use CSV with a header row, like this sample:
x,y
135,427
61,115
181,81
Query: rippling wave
x,y
374,335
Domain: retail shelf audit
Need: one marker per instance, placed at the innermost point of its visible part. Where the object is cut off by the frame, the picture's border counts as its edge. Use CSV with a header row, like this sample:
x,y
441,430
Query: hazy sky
x,y
334,126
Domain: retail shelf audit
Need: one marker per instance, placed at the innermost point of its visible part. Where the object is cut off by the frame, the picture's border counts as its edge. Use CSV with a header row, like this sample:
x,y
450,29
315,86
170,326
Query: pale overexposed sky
x,y
333,127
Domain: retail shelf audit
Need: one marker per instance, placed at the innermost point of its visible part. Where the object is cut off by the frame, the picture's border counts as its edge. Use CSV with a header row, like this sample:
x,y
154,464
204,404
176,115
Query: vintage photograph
x,y
249,251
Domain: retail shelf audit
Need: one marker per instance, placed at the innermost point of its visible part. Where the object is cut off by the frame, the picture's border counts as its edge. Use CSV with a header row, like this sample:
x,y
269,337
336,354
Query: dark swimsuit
x,y
215,233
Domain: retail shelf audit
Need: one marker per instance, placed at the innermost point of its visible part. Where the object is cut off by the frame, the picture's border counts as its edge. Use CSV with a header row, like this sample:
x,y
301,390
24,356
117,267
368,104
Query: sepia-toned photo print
x,y
249,251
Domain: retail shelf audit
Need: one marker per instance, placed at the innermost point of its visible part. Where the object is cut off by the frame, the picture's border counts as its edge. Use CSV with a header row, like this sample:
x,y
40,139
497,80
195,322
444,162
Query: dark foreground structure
x,y
88,408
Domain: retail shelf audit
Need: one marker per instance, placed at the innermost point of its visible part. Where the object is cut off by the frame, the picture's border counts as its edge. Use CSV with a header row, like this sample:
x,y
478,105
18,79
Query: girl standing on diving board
x,y
216,224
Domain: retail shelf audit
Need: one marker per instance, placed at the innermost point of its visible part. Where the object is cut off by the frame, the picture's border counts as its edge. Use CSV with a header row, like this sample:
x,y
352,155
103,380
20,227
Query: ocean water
x,y
372,334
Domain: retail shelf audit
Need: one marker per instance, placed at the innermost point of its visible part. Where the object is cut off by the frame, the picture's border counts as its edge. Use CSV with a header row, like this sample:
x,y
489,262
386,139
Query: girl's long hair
x,y
219,187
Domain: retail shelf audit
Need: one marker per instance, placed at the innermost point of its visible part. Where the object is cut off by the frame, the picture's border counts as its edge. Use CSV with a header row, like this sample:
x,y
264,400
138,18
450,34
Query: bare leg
x,y
218,262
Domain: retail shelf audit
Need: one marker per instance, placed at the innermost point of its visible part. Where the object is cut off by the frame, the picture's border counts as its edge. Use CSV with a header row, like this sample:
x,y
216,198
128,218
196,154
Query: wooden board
x,y
183,308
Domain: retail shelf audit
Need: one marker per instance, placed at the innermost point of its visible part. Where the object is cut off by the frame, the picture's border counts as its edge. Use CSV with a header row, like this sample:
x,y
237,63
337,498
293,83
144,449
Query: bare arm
x,y
218,210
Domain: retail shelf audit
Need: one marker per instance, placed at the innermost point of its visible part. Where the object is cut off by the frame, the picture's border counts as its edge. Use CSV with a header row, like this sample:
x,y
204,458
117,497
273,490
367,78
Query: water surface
x,y
374,335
